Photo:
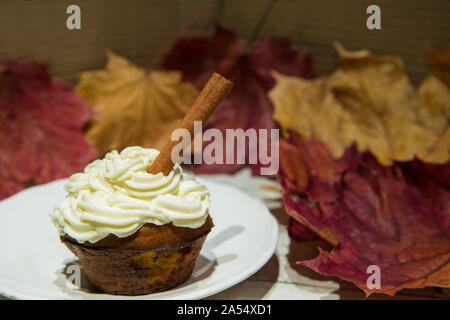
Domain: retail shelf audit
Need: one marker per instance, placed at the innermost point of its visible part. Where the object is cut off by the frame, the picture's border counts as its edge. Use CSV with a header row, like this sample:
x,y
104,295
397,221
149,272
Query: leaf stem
x,y
179,32
259,25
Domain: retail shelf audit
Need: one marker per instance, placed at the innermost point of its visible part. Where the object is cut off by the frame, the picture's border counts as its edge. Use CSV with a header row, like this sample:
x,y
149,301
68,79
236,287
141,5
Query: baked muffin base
x,y
154,259
137,271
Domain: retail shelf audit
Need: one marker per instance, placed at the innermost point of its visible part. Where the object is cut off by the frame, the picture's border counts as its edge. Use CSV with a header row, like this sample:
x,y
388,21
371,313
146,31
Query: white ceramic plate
x,y
32,259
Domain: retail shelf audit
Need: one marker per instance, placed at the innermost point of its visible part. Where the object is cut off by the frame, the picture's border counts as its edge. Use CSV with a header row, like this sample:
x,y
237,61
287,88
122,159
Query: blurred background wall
x,y
136,29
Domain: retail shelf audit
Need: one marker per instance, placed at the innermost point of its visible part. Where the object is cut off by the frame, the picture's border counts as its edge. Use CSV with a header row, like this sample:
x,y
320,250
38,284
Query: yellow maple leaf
x,y
132,106
369,101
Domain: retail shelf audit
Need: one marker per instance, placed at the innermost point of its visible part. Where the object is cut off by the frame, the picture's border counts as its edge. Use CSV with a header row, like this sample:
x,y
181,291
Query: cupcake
x,y
134,233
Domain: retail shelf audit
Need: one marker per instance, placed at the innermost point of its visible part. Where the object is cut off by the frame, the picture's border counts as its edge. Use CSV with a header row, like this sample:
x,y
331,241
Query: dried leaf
x,y
133,107
368,100
310,174
40,135
397,217
247,106
440,64
299,232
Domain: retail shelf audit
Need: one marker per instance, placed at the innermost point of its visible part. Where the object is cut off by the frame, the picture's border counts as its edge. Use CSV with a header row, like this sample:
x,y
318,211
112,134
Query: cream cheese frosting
x,y
116,195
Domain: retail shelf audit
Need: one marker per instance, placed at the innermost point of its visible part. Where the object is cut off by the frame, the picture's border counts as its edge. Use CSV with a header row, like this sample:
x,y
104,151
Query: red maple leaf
x,y
40,132
396,218
247,106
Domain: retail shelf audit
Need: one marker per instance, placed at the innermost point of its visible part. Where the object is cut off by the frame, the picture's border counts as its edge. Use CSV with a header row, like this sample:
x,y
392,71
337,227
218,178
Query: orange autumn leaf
x,y
440,64
133,106
369,100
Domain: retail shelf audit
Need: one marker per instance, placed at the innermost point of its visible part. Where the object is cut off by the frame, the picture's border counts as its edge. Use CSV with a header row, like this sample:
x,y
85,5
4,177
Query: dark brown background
x,y
36,29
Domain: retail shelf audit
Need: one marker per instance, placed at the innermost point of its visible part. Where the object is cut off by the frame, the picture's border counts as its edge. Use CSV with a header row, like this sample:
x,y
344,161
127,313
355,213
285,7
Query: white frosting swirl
x,y
116,195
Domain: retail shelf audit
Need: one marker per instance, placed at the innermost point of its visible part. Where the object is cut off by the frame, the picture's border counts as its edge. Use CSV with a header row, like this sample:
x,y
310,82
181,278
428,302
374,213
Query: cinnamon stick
x,y
204,105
